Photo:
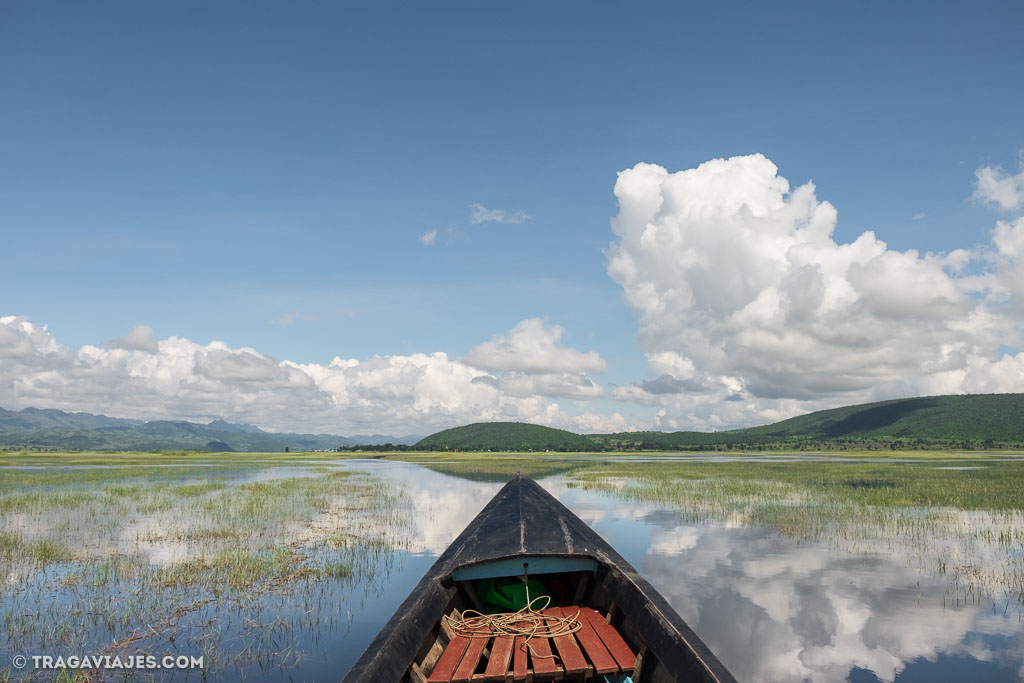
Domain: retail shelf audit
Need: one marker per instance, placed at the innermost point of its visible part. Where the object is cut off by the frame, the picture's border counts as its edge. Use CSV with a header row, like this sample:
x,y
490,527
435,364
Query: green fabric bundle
x,y
509,594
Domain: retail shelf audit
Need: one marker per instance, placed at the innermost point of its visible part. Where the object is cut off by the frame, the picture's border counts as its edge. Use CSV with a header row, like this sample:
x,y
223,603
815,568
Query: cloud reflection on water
x,y
440,505
772,608
777,609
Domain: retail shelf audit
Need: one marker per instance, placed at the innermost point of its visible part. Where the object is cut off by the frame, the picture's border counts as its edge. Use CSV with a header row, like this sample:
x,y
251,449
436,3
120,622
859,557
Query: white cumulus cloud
x,y
533,346
590,423
566,385
175,378
1000,188
751,311
140,338
429,238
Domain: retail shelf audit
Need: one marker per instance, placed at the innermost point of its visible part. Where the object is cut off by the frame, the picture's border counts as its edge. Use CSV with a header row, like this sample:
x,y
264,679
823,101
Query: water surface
x,y
773,606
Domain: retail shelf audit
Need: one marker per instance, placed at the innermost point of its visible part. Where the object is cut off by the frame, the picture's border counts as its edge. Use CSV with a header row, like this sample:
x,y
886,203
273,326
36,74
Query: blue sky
x,y
208,170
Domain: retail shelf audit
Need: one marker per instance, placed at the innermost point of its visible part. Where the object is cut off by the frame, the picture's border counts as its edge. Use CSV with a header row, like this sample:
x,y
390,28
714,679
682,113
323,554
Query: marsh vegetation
x,y
235,559
263,564
962,519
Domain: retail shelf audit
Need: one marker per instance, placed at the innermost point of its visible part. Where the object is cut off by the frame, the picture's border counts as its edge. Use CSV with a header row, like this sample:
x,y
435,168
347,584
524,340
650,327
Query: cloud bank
x,y
141,377
751,312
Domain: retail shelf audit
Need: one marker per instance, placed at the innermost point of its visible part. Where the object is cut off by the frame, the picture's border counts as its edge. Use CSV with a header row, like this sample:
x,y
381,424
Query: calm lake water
x,y
771,607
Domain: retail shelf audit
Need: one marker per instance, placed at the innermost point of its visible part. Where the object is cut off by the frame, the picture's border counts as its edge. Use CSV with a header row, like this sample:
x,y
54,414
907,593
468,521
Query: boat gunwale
x,y
523,508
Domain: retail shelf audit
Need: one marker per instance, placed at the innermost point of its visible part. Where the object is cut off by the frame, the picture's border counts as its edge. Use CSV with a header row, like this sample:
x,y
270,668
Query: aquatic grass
x,y
1000,486
132,492
238,556
189,551
490,466
10,544
967,524
335,570
47,551
196,490
235,569
42,500
961,512
35,552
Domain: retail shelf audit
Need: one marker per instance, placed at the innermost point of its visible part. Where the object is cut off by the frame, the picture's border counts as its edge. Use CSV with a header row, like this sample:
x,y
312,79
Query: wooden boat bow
x,y
523,523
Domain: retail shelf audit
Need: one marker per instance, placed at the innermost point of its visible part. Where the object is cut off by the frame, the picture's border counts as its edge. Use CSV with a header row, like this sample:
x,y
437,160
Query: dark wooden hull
x,y
523,521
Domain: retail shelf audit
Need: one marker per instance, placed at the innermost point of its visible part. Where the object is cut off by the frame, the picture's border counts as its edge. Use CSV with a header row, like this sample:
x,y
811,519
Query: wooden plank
x,y
433,655
519,659
446,625
501,654
638,669
540,655
450,659
603,661
471,659
573,660
624,657
416,674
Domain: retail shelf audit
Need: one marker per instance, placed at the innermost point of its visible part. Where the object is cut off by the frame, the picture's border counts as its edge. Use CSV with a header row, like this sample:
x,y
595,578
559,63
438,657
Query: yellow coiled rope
x,y
527,622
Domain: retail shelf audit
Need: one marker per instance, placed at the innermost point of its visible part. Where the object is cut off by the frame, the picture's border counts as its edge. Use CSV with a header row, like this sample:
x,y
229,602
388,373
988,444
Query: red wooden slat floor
x,y
471,659
573,660
624,657
540,655
450,659
596,641
519,659
604,663
501,655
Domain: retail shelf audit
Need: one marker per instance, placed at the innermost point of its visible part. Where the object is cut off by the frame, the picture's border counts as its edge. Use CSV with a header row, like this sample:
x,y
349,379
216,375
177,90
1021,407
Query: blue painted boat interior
x,y
534,565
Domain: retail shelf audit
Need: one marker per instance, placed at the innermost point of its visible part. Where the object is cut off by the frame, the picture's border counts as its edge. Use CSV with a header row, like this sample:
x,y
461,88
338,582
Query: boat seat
x,y
596,651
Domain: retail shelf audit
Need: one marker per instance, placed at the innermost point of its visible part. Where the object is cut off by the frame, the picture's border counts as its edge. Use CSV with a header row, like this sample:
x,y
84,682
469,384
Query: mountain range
x,y
964,421
58,430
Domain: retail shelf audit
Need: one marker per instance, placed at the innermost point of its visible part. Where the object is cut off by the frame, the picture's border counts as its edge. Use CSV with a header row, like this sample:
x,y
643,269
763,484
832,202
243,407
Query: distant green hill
x,y
973,421
999,417
980,420
505,436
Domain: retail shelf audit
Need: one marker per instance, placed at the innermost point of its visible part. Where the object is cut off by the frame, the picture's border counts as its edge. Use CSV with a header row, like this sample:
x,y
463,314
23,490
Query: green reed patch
x,y
490,466
236,569
961,512
40,500
999,485
14,548
965,523
134,548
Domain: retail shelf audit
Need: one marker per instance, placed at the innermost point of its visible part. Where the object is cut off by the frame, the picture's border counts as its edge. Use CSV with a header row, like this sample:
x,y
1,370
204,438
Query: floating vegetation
x,y
38,553
241,558
961,512
967,525
491,466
